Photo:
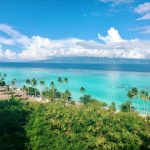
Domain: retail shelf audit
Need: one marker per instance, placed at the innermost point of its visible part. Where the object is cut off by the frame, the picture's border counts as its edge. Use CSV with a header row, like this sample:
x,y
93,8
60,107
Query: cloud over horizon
x,y
38,48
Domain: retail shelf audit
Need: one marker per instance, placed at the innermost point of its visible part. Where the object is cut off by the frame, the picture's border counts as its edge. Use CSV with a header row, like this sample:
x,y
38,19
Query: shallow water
x,y
107,86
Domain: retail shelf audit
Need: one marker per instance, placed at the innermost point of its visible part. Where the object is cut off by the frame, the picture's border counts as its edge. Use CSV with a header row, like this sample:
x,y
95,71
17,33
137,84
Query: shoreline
x,y
20,94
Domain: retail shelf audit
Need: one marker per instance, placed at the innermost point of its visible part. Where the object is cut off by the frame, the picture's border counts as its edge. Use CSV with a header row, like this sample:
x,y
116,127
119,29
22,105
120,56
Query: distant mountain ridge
x,y
94,60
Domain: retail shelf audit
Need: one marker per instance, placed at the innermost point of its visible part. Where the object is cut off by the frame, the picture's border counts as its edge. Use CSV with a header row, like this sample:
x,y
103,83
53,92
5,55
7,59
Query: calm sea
x,y
109,67
108,83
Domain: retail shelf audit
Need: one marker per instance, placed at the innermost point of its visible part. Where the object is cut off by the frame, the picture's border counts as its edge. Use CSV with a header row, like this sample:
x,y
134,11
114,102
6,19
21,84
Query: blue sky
x,y
74,23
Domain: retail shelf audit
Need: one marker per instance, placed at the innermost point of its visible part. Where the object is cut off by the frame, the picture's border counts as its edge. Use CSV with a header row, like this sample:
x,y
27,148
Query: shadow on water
x,y
13,118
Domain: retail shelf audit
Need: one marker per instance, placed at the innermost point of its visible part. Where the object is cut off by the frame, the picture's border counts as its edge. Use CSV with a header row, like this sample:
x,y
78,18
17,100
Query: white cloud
x,y
112,37
144,29
6,41
37,47
116,1
7,55
15,35
144,10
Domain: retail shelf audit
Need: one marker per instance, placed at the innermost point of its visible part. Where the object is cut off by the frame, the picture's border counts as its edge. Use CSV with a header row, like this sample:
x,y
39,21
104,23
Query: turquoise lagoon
x,y
107,86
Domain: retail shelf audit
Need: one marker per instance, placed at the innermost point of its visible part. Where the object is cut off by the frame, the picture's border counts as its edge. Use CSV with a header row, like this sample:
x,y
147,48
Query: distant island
x,y
93,60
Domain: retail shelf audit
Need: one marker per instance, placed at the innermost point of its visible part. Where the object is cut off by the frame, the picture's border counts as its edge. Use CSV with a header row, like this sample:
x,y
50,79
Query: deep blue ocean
x,y
107,67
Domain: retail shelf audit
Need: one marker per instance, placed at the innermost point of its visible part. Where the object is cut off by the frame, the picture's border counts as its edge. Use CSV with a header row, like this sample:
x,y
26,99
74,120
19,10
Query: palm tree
x,y
24,89
66,80
13,83
28,82
42,83
144,96
34,84
67,95
82,90
146,99
52,85
2,81
130,95
60,80
135,94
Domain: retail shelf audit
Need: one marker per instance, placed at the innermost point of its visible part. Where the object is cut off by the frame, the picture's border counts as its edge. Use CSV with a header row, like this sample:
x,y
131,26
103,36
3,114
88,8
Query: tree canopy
x,y
32,125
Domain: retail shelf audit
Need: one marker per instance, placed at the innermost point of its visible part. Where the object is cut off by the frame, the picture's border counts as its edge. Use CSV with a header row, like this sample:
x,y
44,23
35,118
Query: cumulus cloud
x,y
112,37
144,10
38,48
7,54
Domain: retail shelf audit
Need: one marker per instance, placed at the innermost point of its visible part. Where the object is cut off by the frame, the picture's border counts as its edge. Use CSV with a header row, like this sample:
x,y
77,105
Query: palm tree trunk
x,y
130,105
53,95
145,110
35,94
28,92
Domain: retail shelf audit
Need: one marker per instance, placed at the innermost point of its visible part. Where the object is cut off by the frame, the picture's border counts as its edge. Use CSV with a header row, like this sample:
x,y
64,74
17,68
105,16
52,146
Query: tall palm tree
x,y
144,96
34,84
2,81
42,83
135,95
66,80
60,80
52,85
130,95
67,95
28,82
82,90
25,89
13,83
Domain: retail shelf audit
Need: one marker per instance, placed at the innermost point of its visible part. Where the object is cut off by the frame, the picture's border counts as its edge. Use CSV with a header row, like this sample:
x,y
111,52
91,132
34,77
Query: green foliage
x,y
12,122
112,106
51,94
85,99
33,90
2,83
125,107
2,79
67,95
55,126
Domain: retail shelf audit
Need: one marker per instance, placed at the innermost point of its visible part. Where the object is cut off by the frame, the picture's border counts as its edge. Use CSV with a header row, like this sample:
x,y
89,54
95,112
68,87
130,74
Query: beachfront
x,y
34,90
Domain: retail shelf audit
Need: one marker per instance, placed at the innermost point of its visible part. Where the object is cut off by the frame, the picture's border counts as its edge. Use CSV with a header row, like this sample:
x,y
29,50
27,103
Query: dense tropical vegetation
x,y
45,126
60,123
